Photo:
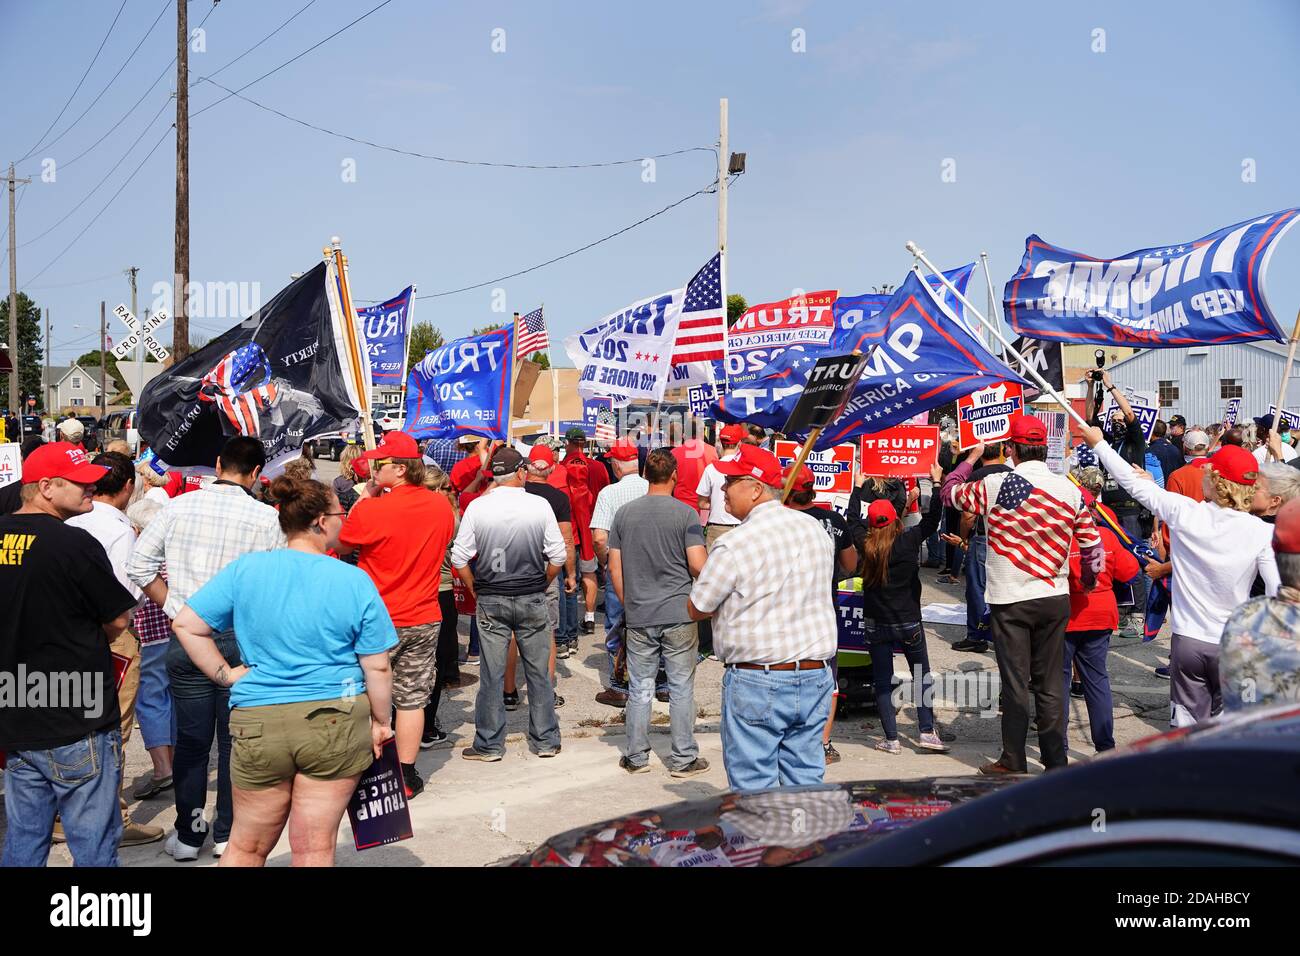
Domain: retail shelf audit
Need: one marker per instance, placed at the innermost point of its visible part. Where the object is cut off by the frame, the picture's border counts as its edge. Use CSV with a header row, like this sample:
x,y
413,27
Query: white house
x,y
1197,382
76,385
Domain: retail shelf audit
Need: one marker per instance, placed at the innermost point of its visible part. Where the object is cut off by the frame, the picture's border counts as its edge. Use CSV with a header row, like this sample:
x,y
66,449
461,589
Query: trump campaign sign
x,y
833,468
767,330
986,415
905,451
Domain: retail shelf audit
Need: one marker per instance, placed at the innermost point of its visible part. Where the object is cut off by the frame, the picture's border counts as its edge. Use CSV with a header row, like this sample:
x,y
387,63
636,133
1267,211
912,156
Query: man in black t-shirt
x,y
59,728
803,497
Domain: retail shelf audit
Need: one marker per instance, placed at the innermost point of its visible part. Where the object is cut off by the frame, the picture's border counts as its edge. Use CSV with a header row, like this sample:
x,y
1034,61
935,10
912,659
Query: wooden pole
x,y
1286,374
724,158
510,402
798,462
103,360
180,315
349,317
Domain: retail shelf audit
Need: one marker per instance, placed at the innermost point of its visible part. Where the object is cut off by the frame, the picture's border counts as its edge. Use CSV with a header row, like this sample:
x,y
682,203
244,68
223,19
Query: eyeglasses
x,y
338,514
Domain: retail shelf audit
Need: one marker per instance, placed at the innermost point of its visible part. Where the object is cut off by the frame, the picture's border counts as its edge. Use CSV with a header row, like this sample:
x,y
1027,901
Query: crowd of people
x,y
303,626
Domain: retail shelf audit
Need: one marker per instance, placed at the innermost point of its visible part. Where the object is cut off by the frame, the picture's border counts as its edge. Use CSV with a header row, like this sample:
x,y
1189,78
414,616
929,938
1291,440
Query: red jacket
x,y
1096,610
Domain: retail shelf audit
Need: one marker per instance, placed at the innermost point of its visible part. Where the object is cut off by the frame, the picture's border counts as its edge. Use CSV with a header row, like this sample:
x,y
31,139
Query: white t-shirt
x,y
1261,453
710,487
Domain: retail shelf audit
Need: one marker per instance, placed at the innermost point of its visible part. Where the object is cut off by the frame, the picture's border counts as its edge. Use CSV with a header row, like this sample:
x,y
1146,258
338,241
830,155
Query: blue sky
x,y
1103,152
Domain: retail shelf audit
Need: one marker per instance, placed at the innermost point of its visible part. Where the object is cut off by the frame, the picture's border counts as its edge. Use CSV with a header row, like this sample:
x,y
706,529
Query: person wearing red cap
x,y
1216,549
401,530
767,587
803,499
710,500
63,608
891,608
629,486
1034,517
1259,663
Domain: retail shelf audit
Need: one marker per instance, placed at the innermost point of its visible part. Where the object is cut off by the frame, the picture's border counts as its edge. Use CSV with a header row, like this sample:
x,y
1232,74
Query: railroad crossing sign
x,y
140,332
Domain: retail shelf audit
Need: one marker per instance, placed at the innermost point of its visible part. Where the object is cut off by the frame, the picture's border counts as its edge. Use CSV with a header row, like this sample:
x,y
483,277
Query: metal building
x,y
1197,382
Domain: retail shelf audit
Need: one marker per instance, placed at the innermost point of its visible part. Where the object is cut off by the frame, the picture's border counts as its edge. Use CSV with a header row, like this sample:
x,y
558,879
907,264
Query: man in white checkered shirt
x,y
195,536
767,588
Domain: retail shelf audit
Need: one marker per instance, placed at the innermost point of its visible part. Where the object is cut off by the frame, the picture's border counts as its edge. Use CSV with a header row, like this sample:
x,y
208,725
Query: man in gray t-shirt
x,y
656,548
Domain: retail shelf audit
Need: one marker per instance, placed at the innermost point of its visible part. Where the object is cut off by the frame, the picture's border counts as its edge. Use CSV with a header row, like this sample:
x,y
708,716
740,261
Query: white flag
x,y
627,355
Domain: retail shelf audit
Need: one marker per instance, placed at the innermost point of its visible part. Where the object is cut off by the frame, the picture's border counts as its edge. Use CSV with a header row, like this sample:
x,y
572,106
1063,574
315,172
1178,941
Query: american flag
x,y
701,336
240,385
531,335
1027,526
605,430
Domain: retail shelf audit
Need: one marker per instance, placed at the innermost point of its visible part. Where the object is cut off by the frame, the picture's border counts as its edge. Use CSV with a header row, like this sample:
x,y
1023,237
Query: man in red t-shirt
x,y
402,530
693,456
586,478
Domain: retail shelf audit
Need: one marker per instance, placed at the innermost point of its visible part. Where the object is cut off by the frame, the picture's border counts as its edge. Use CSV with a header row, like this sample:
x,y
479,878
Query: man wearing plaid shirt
x,y
767,588
195,536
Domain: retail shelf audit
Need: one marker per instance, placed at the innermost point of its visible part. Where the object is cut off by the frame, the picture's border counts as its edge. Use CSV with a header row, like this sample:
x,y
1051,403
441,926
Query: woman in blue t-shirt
x,y
310,707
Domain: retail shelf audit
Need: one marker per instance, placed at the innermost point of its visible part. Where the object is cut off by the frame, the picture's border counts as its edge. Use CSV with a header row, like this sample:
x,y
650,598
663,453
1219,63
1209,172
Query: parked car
x,y
32,425
1223,793
330,447
120,425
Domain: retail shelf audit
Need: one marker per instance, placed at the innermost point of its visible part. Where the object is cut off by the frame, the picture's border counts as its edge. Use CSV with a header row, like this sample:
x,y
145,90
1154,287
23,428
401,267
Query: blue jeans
x,y
569,616
202,711
978,617
153,703
523,616
1088,649
772,723
679,645
79,782
881,638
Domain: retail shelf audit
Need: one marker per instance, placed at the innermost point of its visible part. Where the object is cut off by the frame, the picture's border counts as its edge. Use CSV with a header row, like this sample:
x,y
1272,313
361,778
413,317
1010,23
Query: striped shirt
x,y
612,497
770,583
198,534
1034,519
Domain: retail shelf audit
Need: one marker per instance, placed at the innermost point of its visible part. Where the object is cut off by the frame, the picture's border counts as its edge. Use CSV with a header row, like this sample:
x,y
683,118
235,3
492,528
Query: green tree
x,y
736,306
541,359
92,359
424,338
30,355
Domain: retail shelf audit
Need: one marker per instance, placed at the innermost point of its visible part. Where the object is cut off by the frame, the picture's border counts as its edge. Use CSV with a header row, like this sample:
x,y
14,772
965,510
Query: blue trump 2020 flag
x,y
386,326
1206,292
462,387
919,357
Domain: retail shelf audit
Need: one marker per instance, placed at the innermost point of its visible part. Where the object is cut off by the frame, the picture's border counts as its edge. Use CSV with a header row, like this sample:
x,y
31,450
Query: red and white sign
x,y
986,415
905,451
833,468
765,331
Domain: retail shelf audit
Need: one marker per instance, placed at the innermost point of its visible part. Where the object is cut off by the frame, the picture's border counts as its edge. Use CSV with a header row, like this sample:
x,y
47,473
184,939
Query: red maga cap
x,y
880,513
61,459
394,445
623,450
540,454
753,462
732,434
1236,464
805,481
1028,430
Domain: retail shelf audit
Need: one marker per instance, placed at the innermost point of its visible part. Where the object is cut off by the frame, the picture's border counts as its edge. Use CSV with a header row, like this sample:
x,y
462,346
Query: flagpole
x,y
349,317
722,240
798,463
555,376
510,405
993,308
1025,367
1286,374
406,350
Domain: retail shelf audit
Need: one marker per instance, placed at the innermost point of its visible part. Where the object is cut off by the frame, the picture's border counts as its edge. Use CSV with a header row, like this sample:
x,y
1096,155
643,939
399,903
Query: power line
x,y
253,47
165,7
79,82
449,159
69,285
295,58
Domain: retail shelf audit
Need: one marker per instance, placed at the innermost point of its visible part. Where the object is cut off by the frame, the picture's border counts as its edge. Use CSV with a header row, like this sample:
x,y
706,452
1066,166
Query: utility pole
x,y
723,169
45,380
13,296
138,386
181,328
103,360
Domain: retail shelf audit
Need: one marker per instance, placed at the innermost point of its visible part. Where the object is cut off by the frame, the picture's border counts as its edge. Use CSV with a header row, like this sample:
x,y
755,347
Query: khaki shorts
x,y
321,739
415,665
712,532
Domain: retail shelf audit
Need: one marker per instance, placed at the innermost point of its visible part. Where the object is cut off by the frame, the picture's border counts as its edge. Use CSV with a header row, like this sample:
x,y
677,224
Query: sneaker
x,y
589,627
697,766
559,701
997,769
469,753
931,741
432,735
946,579
471,659
947,736
1076,689
832,755
137,834
633,767
1162,673
511,699
549,753
661,696
561,650
413,781
220,848
890,747
612,698
151,787
178,851
976,647
1132,627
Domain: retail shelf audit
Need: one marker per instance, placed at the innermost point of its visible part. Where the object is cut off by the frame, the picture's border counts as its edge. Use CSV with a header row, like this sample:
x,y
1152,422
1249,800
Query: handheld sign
x,y
701,397
378,810
832,468
1231,411
11,464
1289,418
905,451
986,415
830,384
